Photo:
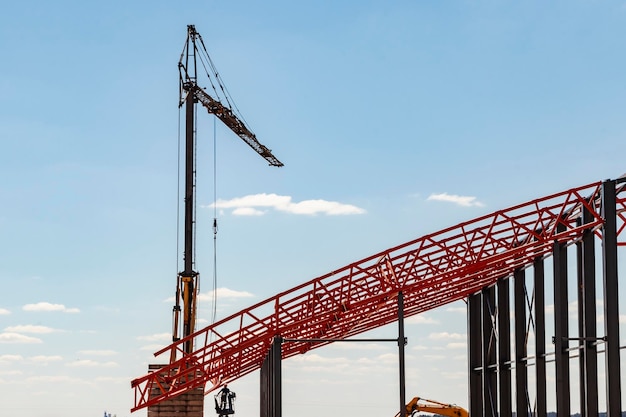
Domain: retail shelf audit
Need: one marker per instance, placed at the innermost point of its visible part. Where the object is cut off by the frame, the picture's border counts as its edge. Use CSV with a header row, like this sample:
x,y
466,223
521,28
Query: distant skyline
x,y
393,120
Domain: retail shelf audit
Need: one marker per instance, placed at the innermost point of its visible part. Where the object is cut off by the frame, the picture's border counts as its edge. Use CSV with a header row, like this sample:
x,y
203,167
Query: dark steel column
x,y
189,184
401,344
504,347
490,376
271,381
587,320
611,303
582,375
540,337
474,354
521,371
188,275
561,331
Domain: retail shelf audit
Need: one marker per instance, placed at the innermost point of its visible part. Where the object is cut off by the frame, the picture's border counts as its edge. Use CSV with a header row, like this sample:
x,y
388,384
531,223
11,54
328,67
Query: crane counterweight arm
x,y
229,119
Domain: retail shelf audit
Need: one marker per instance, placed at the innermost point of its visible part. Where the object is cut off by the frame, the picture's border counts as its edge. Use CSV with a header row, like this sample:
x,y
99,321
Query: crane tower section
x,y
193,57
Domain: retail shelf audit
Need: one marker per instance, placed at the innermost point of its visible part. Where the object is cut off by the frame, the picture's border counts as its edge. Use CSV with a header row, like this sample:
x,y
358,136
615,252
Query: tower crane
x,y
194,54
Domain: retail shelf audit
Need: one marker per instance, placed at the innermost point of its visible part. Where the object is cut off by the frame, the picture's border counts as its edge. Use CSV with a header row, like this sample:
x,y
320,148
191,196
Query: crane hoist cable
x,y
214,292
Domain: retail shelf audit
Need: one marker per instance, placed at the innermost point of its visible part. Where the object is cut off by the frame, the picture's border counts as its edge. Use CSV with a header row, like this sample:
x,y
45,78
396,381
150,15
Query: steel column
x,y
504,347
474,354
271,381
561,331
521,372
490,376
401,344
587,321
611,303
540,337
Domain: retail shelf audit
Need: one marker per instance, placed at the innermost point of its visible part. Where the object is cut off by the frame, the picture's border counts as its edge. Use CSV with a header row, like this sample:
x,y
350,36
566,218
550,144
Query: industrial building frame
x,y
486,262
492,391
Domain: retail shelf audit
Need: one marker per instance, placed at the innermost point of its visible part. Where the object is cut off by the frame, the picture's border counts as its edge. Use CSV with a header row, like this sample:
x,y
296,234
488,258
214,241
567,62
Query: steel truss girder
x,y
431,271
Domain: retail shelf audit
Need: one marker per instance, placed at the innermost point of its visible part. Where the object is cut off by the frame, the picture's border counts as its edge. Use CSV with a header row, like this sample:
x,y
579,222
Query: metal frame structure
x,y
461,262
486,321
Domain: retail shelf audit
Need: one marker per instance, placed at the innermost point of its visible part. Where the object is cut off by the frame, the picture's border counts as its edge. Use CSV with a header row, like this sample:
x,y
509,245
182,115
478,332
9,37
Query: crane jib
x,y
233,123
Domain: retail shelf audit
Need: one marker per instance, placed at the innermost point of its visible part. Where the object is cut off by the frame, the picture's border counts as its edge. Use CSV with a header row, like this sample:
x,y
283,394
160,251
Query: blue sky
x,y
393,119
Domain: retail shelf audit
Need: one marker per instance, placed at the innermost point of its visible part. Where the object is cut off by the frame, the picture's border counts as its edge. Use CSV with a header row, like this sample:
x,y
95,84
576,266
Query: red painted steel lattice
x,y
431,271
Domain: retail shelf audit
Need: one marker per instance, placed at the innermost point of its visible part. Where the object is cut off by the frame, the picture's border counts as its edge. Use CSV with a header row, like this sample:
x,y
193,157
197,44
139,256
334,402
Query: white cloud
x,y
53,378
247,211
421,319
315,358
44,306
8,337
88,363
46,359
10,358
117,380
351,346
12,372
224,293
420,347
434,357
159,337
465,201
29,328
456,345
455,375
97,352
447,336
4,312
249,205
154,347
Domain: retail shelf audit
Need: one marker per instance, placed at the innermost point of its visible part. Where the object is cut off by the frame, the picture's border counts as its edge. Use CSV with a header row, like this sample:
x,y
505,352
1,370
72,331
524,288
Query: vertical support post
x,y
490,376
561,331
474,354
611,302
188,275
582,375
271,381
504,346
189,181
540,337
401,344
521,371
587,297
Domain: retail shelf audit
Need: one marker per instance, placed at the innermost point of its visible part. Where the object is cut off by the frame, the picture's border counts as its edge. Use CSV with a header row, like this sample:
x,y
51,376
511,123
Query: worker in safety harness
x,y
224,402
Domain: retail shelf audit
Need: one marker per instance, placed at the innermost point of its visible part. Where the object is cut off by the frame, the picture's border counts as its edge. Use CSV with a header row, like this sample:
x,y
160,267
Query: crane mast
x,y
190,94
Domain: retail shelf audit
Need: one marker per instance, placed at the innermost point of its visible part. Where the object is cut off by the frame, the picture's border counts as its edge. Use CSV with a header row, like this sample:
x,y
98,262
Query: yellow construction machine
x,y
430,406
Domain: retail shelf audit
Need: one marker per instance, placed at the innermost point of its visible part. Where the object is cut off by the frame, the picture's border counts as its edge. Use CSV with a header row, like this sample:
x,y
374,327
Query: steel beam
x,y
490,376
611,303
401,361
521,372
504,346
271,381
561,331
540,337
474,354
587,320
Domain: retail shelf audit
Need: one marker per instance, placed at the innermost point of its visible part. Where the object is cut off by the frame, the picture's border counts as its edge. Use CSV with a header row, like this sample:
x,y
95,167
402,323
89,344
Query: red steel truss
x,y
431,271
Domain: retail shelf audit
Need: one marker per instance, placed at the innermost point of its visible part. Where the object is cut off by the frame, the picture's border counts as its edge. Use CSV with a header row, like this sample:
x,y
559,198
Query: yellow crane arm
x,y
431,406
